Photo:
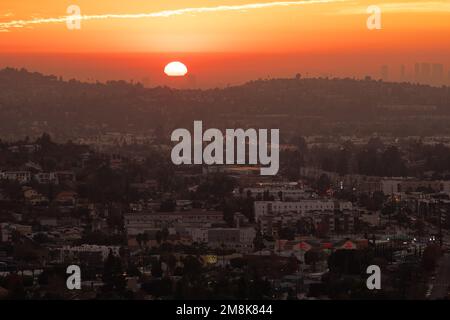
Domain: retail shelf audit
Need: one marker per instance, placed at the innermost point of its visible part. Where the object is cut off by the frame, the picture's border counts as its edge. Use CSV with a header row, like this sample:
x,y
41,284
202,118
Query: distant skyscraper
x,y
402,73
425,72
384,72
437,74
417,72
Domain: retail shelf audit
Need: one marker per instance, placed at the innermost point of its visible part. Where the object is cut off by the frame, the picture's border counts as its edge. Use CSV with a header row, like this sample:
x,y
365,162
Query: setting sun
x,y
175,69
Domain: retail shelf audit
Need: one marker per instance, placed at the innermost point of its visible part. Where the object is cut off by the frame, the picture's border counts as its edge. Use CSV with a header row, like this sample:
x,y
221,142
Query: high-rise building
x,y
437,74
384,72
425,72
402,72
417,72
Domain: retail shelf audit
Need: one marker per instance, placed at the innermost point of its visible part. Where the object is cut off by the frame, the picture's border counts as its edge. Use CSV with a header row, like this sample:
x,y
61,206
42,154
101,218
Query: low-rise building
x,y
239,239
19,176
7,229
263,208
85,251
140,222
408,184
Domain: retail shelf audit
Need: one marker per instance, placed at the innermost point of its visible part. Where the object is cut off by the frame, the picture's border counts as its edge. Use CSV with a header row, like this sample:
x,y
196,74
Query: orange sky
x,y
411,30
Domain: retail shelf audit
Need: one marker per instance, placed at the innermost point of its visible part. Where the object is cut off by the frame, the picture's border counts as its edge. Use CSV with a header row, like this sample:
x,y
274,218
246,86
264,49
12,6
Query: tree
x,y
164,234
158,236
342,162
15,286
228,211
168,205
430,256
192,267
323,184
258,242
287,233
45,140
392,163
157,271
171,261
158,288
280,195
139,239
145,239
113,277
311,258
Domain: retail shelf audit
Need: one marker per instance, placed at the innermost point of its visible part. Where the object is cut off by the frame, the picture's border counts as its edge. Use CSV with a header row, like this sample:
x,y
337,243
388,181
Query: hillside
x,y
31,103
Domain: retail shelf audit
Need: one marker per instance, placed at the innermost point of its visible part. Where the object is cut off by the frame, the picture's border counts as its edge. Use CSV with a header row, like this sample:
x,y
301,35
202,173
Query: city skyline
x,y
420,72
222,42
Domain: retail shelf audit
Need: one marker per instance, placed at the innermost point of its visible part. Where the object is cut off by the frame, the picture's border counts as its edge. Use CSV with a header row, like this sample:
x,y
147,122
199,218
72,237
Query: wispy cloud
x,y
4,26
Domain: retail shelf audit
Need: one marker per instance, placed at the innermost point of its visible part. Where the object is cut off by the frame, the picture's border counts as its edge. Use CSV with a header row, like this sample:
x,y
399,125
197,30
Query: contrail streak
x,y
5,26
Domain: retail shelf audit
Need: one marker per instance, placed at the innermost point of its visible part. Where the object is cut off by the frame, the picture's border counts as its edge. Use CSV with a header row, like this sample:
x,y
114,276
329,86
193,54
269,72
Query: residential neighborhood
x,y
143,229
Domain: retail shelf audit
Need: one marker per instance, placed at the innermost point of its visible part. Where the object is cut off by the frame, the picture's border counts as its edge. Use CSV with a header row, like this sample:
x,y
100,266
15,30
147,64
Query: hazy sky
x,y
272,37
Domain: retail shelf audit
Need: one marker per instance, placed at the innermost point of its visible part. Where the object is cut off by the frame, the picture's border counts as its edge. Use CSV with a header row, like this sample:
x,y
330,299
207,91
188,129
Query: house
x,y
29,193
46,178
33,197
19,176
67,198
183,205
65,176
148,185
70,233
31,148
33,166
7,229
48,222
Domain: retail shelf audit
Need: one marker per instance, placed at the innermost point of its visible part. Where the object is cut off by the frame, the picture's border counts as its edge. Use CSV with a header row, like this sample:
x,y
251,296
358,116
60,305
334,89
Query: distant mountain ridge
x,y
32,103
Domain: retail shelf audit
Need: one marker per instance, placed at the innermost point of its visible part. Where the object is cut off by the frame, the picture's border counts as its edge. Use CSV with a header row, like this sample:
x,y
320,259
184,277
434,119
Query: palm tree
x,y
145,239
164,234
139,239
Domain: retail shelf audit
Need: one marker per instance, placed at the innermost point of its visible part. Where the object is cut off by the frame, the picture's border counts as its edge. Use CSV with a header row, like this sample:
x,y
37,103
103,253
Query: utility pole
x,y
440,222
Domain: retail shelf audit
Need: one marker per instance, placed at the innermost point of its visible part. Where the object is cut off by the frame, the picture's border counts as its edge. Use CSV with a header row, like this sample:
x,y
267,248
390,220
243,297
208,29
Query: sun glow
x,y
175,69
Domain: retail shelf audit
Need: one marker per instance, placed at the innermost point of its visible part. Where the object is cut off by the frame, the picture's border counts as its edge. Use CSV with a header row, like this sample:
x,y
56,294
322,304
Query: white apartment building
x,y
71,252
263,208
19,176
240,239
292,194
199,235
140,222
46,178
